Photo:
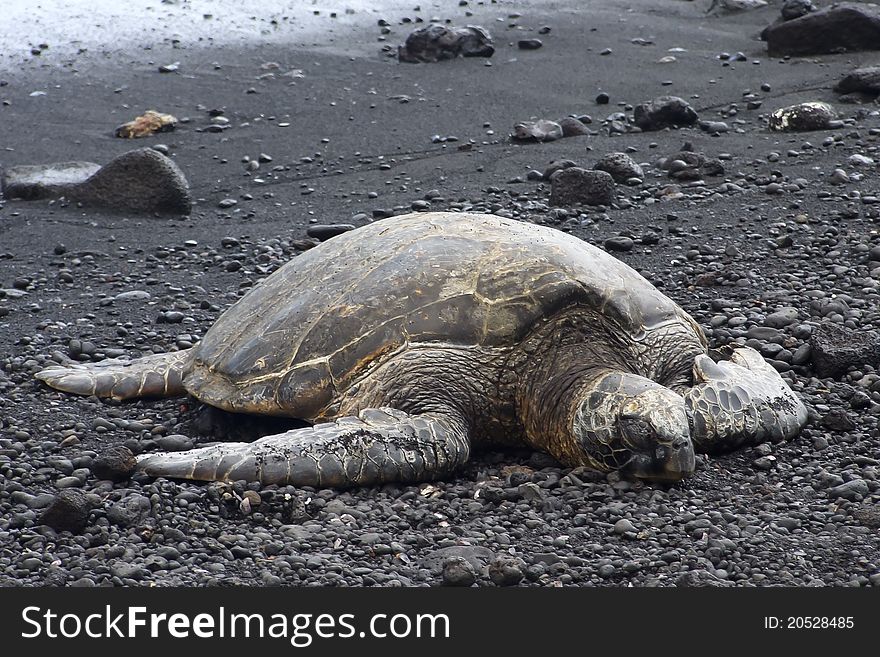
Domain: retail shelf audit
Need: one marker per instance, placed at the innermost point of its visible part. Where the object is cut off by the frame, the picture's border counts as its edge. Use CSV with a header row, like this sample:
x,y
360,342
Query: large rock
x,y
573,186
835,348
664,112
803,117
846,26
862,80
437,42
621,167
141,180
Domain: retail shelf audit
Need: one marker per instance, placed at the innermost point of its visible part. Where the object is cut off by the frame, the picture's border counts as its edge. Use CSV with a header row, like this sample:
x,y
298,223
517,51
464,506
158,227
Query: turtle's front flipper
x,y
378,446
741,401
159,375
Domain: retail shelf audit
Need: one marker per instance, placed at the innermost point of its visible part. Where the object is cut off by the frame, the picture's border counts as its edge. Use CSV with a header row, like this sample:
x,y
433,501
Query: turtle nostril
x,y
679,443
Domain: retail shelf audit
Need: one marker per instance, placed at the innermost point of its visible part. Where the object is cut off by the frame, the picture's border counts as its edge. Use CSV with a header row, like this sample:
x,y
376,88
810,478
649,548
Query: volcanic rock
x,y
664,112
575,185
437,42
846,26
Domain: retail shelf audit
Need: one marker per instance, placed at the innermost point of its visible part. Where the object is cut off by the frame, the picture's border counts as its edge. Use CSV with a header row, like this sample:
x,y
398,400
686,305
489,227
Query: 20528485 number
x,y
819,622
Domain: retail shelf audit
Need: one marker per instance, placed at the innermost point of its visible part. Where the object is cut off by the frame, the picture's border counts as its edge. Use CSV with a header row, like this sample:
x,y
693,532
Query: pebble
x,y
619,243
69,511
529,44
853,490
115,463
457,571
324,232
624,526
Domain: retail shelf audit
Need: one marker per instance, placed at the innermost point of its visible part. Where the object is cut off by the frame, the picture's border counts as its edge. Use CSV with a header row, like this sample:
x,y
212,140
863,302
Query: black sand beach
x,y
353,136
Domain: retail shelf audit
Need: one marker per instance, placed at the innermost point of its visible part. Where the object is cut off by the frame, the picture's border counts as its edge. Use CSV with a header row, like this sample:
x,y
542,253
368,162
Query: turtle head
x,y
633,425
654,427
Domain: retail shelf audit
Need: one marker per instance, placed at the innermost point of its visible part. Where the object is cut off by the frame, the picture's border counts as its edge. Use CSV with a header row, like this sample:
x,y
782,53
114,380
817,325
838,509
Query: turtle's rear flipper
x,y
741,401
378,446
159,375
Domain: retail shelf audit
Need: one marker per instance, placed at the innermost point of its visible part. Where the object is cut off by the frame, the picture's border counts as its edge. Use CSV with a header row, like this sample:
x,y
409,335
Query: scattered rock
x,y
574,185
733,6
33,182
324,232
141,180
835,348
505,571
572,127
619,243
541,130
844,26
69,511
664,112
782,317
792,9
803,117
115,463
557,165
529,44
837,419
149,123
457,571
690,165
854,490
868,515
620,166
438,42
478,557
862,80
129,511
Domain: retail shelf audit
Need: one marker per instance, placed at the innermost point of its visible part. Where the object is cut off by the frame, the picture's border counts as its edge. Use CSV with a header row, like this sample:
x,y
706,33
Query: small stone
x,y
69,511
664,112
324,232
505,571
620,166
227,203
529,44
457,571
838,177
572,127
574,185
854,490
803,117
619,244
114,463
557,165
835,348
623,526
542,130
859,160
782,318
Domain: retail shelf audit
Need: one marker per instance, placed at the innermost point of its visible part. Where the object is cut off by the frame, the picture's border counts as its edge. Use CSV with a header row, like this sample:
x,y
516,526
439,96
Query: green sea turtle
x,y
412,339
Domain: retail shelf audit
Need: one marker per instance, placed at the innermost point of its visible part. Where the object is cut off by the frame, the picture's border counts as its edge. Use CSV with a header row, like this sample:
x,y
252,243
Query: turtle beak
x,y
669,462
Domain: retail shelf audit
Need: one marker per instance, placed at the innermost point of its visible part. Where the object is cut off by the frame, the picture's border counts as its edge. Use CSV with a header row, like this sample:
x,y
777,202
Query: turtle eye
x,y
637,431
